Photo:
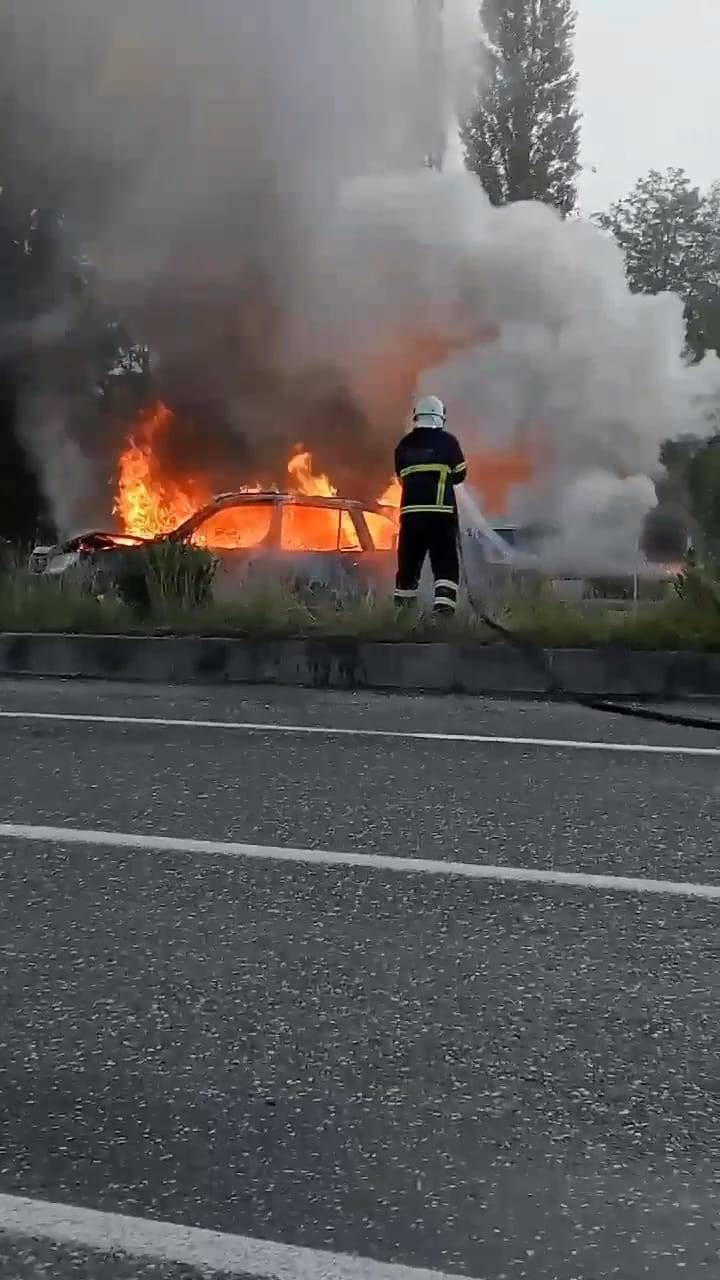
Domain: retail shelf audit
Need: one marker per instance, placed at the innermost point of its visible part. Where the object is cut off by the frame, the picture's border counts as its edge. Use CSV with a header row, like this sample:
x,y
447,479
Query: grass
x,y
43,605
687,620
669,625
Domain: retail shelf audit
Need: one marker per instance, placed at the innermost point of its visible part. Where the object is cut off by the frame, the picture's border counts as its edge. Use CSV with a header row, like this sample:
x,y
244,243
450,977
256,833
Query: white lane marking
x,y
330,731
189,1246
369,861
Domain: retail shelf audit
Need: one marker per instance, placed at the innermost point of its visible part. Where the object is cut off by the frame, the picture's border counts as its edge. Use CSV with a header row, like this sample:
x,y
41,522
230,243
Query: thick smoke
x,y
523,322
248,180
199,152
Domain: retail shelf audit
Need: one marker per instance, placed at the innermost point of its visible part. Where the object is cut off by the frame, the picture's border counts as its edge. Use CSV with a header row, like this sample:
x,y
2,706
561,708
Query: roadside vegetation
x,y
171,594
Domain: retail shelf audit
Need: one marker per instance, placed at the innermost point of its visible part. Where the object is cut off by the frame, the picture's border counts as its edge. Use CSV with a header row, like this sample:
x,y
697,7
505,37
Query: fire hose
x,y
537,657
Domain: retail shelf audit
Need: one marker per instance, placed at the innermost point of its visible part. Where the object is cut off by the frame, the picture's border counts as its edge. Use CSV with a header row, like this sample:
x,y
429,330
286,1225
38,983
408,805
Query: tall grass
x,y
176,599
28,603
164,576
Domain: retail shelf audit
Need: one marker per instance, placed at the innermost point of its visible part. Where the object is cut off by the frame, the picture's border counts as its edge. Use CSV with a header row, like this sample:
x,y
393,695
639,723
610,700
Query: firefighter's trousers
x,y
434,535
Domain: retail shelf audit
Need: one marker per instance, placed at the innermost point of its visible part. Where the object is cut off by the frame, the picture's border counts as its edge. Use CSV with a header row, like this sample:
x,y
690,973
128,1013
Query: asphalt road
x,y
499,1080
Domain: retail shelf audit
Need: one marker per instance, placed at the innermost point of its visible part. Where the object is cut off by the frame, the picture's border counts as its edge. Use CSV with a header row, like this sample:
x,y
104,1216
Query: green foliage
x,y
665,534
669,232
661,229
698,586
56,604
22,509
702,480
688,619
523,138
166,577
676,454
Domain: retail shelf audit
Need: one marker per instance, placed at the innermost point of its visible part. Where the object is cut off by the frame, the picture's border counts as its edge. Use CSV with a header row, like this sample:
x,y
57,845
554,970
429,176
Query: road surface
x,y
310,1031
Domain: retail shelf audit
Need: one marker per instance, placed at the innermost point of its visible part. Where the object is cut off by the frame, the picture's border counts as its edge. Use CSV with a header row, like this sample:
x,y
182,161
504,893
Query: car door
x,y
242,538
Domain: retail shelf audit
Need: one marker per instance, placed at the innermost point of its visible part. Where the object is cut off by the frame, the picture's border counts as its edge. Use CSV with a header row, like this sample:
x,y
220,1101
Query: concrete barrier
x,y
347,663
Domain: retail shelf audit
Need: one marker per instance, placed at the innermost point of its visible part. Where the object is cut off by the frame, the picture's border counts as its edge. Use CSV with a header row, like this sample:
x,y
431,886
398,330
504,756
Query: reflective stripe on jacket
x,y
430,463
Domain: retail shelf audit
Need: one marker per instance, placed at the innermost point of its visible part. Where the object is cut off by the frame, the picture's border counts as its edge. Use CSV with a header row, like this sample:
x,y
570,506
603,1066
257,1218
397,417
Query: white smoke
x,y
248,178
565,354
67,471
599,520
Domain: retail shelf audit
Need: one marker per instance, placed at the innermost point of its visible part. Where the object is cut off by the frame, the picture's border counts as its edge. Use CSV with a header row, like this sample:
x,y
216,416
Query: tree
x,y
57,343
689,493
21,505
22,509
703,482
669,233
523,137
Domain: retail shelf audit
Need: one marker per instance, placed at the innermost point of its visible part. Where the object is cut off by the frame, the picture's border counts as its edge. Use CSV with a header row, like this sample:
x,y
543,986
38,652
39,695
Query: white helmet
x,y
430,412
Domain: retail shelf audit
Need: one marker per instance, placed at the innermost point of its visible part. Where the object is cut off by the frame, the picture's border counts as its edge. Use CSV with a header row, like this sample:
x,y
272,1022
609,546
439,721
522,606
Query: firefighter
x,y
429,462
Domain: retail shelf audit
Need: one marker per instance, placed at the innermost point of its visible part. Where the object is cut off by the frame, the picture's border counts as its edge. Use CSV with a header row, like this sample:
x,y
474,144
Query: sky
x,y
649,90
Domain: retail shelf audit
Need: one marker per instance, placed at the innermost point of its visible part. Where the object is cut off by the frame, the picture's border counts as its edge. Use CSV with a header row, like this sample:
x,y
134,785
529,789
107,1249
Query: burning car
x,y
329,541
306,532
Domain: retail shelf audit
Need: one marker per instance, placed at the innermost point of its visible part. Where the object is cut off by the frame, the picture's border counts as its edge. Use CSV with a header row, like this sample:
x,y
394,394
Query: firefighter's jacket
x,y
429,462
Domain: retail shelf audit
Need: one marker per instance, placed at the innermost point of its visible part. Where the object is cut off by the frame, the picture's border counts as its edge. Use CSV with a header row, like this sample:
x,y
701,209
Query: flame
x,y
148,503
391,496
305,527
300,468
383,528
236,528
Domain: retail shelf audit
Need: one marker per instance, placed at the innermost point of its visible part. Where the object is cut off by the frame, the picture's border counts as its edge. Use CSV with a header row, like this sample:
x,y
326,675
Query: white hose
x,y
472,521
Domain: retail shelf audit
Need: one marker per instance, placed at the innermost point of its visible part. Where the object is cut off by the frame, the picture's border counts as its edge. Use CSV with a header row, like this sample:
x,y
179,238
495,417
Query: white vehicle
x,y
331,541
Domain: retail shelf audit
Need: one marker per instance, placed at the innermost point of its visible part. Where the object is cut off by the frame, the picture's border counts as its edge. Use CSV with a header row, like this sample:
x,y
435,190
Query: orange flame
x,y
300,468
391,497
382,532
150,503
147,503
303,525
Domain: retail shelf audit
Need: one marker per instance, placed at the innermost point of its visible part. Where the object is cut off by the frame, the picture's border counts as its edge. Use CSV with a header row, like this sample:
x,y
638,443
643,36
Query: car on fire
x,y
326,542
